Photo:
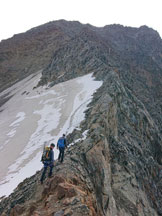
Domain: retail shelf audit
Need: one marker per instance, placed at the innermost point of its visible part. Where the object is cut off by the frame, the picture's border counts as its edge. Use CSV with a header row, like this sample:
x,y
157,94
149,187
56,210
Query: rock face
x,y
117,169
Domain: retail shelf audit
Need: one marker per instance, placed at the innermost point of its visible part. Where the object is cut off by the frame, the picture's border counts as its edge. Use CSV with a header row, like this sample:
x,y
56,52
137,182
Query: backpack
x,y
61,142
46,154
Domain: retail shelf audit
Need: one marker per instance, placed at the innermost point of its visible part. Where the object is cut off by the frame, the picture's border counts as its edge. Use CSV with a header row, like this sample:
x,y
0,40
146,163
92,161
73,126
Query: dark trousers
x,y
61,154
45,170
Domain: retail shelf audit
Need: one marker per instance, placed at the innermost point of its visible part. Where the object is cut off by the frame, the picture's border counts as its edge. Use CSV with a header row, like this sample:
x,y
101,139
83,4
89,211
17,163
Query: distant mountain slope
x,y
60,46
29,52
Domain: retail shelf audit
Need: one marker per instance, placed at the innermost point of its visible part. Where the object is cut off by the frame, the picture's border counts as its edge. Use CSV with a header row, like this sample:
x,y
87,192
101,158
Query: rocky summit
x,y
116,170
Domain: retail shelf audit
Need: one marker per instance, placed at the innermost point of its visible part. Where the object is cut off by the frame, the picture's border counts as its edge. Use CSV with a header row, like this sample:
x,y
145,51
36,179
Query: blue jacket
x,y
61,142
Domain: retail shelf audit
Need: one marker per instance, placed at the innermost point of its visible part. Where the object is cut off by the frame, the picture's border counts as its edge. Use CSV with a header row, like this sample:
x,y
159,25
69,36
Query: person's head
x,y
52,145
63,135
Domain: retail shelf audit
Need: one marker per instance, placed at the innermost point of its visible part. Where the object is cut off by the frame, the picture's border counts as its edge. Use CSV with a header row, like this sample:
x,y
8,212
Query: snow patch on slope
x,y
20,117
54,111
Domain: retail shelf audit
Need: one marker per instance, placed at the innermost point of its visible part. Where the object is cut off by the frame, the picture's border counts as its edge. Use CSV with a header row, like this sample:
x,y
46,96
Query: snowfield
x,y
34,117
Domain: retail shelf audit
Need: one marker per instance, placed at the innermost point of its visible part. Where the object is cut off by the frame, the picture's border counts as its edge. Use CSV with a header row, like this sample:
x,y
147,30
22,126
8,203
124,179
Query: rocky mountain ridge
x,y
117,169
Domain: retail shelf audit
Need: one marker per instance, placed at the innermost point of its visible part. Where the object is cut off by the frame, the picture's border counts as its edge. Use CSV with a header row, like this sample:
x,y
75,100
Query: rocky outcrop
x,y
117,168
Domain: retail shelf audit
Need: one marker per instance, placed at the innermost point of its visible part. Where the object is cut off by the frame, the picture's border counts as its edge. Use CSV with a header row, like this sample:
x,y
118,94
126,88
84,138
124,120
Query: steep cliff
x,y
117,168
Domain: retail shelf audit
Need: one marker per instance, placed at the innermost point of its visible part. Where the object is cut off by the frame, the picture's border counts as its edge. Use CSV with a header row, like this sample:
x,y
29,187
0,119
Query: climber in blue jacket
x,y
61,145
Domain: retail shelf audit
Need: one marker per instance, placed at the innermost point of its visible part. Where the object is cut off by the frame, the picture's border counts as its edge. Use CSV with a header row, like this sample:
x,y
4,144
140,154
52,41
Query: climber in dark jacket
x,y
48,163
61,145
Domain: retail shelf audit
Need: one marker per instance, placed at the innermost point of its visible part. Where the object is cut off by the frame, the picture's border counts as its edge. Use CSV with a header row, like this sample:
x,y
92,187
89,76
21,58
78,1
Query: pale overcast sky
x,y
20,15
